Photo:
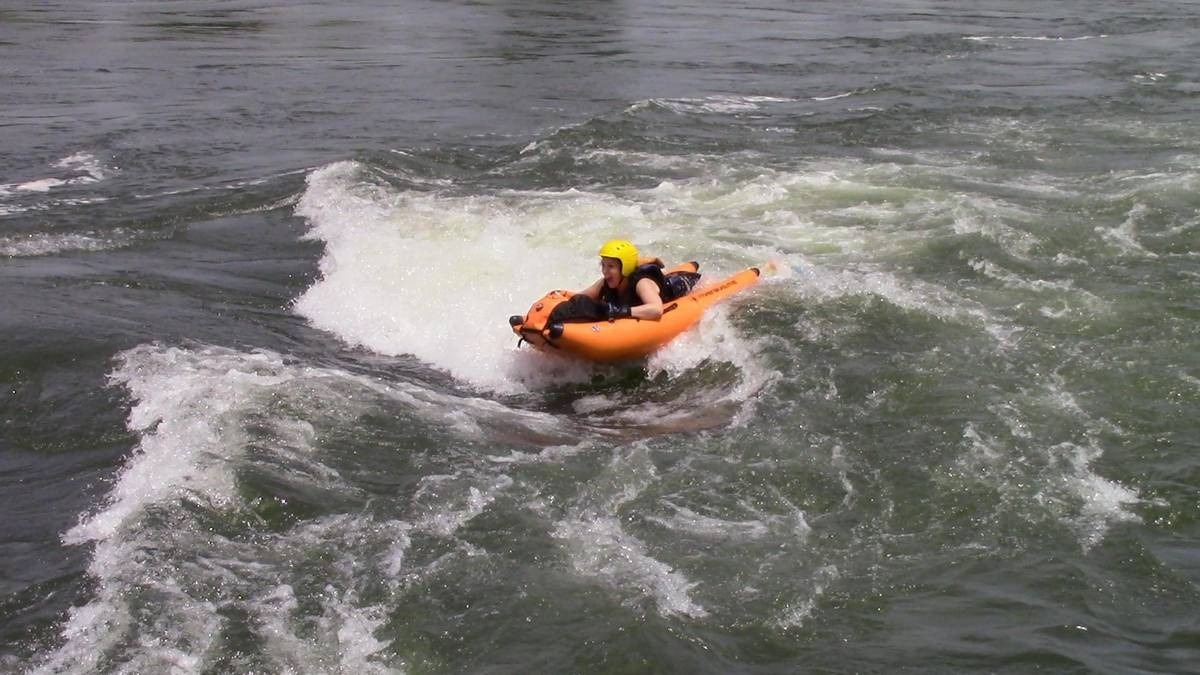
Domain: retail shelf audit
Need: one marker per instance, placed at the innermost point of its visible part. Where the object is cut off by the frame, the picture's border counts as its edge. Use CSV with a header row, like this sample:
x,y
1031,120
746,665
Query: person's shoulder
x,y
648,284
648,291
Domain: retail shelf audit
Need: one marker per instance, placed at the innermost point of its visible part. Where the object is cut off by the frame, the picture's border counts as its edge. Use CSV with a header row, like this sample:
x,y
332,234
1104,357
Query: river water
x,y
262,412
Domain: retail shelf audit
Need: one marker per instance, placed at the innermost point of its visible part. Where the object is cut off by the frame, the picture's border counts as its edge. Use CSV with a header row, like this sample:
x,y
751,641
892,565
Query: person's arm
x,y
593,291
651,307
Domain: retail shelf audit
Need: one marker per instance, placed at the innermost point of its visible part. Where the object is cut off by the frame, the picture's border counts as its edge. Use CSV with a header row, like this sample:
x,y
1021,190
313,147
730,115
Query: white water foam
x,y
1125,236
11,209
1032,38
601,549
443,520
658,162
822,284
101,626
987,217
722,104
834,97
192,410
81,168
1054,394
436,276
1062,288
715,338
183,398
343,637
85,167
687,520
1189,379
852,207
848,94
1096,502
683,519
854,212
186,409
800,610
1065,484
44,243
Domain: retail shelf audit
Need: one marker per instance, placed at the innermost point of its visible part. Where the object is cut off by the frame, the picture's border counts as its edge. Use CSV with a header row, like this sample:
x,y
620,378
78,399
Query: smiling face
x,y
610,269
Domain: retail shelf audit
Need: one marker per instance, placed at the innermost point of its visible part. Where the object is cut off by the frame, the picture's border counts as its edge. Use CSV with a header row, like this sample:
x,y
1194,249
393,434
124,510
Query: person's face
x,y
610,269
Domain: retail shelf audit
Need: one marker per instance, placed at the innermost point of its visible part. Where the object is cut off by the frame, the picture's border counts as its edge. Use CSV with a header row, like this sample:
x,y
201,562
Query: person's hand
x,y
614,311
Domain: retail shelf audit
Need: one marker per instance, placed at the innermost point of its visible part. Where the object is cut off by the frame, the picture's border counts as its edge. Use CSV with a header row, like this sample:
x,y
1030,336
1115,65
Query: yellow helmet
x,y
622,250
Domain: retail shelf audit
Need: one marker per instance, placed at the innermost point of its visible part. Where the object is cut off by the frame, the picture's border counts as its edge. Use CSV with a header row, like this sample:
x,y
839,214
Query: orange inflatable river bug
x,y
628,338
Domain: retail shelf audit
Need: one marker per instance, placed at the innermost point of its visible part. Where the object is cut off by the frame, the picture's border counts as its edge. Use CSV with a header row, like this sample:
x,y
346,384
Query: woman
x,y
628,286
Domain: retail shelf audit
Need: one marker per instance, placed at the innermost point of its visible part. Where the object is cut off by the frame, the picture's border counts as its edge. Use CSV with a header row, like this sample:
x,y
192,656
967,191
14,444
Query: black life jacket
x,y
626,294
582,308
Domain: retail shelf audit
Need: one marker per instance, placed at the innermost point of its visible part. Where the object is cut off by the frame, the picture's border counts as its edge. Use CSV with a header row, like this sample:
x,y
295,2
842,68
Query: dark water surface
x,y
261,411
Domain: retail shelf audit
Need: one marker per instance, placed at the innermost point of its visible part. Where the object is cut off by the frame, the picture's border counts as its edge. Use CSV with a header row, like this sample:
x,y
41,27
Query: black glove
x,y
614,311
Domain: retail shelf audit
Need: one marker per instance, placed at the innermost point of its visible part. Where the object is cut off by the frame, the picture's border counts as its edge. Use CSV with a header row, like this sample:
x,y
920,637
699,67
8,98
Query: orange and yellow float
x,y
627,338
